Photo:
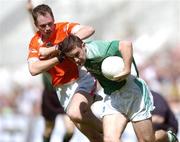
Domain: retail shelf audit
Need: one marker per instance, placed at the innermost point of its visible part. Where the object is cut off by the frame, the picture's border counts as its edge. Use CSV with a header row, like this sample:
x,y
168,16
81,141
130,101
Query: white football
x,y
112,66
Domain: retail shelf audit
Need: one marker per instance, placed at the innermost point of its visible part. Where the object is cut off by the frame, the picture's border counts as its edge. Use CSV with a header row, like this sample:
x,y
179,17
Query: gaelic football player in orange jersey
x,y
74,85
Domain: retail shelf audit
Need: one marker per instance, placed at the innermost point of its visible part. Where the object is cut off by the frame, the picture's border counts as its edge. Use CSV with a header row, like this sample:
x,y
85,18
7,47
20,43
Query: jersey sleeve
x,y
33,53
102,48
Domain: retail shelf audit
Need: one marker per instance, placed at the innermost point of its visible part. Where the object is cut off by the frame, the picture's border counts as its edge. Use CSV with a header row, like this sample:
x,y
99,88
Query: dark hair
x,y
41,10
69,43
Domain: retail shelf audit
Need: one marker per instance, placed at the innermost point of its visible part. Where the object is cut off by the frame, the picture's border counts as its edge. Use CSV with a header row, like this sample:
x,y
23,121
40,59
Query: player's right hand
x,y
44,53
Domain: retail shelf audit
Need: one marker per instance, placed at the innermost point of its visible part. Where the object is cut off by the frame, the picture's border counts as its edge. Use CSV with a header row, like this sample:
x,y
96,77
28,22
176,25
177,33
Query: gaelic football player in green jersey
x,y
127,97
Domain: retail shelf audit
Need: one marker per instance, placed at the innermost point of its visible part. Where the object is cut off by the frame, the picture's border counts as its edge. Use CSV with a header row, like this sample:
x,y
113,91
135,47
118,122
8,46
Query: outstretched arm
x,y
83,31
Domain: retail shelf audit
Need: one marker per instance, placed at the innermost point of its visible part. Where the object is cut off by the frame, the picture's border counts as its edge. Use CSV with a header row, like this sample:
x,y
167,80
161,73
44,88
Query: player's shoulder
x,y
61,23
61,26
99,43
35,37
65,25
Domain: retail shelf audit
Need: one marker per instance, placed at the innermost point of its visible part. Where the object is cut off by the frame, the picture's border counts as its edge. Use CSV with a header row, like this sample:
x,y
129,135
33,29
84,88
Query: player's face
x,y
45,24
78,55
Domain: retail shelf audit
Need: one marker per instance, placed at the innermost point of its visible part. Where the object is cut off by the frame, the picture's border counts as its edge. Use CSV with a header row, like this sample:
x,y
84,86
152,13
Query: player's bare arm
x,y
50,52
41,66
125,47
82,31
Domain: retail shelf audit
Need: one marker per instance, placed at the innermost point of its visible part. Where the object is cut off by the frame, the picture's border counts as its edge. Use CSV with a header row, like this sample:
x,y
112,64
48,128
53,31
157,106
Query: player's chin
x,y
48,34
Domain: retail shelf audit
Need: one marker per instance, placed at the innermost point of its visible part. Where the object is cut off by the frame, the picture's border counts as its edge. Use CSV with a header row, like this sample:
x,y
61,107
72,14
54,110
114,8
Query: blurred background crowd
x,y
152,25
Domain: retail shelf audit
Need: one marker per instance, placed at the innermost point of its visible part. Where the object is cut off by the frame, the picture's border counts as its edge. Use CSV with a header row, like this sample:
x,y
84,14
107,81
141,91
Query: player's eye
x,y
50,24
76,55
43,26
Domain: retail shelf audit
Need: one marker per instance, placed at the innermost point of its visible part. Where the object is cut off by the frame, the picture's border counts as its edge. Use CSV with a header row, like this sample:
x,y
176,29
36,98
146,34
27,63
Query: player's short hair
x,y
42,9
70,42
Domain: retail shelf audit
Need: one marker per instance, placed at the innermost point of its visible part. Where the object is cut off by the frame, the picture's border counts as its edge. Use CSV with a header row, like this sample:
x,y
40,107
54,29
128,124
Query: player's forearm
x,y
42,66
85,32
127,53
49,52
53,49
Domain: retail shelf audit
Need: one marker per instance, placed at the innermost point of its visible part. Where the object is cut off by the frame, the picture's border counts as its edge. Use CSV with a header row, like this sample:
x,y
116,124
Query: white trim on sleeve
x,y
32,60
76,28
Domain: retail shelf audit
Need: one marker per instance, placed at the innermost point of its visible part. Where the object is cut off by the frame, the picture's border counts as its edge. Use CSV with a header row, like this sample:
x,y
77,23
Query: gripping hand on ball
x,y
121,76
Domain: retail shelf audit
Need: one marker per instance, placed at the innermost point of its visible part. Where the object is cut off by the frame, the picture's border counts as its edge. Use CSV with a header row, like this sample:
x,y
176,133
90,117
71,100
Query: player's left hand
x,y
121,76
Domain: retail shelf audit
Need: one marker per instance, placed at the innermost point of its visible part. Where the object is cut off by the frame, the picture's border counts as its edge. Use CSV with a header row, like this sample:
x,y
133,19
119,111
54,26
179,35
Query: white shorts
x,y
134,100
85,83
98,106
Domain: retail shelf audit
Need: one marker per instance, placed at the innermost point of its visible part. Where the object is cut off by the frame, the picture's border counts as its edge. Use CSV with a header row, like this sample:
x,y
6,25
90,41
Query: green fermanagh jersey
x,y
97,51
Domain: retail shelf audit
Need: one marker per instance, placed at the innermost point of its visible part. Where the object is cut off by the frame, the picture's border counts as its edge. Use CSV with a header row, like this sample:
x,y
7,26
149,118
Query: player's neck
x,y
44,38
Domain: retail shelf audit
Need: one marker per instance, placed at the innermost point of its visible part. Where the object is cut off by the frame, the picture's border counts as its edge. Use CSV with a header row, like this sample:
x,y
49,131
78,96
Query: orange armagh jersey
x,y
63,72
